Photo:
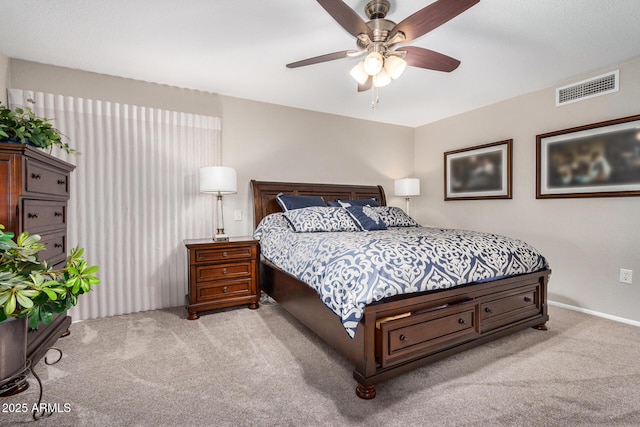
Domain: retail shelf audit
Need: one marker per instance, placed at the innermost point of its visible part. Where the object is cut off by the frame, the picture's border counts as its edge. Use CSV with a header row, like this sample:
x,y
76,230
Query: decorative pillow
x,y
395,217
366,217
320,218
288,201
274,221
363,202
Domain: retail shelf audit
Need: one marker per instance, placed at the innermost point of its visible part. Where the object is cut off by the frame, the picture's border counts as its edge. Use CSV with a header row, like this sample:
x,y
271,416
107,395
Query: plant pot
x,y
13,356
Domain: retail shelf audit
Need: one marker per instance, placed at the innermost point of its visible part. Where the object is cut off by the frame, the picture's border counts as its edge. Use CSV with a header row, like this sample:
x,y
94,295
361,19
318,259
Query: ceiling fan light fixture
x,y
373,63
395,66
381,79
358,73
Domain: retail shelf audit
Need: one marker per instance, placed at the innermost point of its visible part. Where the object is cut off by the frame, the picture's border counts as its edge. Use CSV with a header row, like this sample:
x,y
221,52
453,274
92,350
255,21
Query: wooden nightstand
x,y
222,274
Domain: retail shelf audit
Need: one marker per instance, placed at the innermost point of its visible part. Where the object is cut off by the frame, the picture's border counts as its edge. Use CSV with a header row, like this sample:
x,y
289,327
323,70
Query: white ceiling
x,y
240,47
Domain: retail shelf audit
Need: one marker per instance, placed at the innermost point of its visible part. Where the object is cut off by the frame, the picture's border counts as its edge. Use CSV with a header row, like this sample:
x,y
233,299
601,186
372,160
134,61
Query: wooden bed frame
x,y
401,333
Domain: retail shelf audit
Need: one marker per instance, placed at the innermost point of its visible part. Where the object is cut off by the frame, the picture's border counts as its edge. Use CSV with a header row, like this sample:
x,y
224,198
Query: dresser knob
x,y
61,182
224,271
527,299
224,289
488,310
224,254
462,321
57,245
32,215
35,176
404,338
57,214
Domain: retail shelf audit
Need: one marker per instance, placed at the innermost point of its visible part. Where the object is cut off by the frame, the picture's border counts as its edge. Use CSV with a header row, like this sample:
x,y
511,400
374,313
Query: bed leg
x,y
366,392
540,327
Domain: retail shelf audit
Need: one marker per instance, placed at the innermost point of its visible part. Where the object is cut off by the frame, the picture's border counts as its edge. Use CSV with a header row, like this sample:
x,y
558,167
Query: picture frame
x,y
479,172
597,160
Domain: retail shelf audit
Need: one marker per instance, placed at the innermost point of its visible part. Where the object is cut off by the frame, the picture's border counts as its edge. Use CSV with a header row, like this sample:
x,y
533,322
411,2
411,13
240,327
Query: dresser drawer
x,y
223,289
226,254
41,215
55,248
402,339
508,307
41,178
207,273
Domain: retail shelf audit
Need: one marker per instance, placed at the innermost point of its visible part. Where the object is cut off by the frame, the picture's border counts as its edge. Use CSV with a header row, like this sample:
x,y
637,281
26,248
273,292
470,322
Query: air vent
x,y
600,85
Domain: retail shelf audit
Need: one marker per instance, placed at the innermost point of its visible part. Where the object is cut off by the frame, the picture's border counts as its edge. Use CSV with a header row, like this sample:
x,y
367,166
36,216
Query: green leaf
x,y
10,305
46,317
23,300
34,318
51,294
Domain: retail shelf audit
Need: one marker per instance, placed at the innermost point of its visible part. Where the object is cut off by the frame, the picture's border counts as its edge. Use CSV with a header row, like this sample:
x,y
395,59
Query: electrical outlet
x,y
626,276
237,215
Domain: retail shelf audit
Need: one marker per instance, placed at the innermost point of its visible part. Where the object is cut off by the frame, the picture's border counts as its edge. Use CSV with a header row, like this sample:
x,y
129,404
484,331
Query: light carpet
x,y
244,367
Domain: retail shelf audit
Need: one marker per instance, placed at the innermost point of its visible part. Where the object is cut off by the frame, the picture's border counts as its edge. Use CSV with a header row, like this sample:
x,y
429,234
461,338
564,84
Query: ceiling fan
x,y
379,39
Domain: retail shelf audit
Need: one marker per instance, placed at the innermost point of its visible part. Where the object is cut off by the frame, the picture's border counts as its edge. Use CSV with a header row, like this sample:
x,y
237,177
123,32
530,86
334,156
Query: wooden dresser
x,y
34,192
222,274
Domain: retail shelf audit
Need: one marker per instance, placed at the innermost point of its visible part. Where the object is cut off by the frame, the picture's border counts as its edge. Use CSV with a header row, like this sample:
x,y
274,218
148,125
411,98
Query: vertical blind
x,y
134,196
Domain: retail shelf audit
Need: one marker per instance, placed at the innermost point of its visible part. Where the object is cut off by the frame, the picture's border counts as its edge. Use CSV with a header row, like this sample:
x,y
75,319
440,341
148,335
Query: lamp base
x,y
221,238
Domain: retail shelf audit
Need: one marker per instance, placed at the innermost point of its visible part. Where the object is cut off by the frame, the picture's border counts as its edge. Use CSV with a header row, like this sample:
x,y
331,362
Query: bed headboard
x,y
264,194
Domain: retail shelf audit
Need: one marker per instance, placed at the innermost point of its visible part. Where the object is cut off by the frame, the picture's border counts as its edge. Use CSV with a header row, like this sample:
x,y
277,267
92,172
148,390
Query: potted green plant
x,y
22,126
31,292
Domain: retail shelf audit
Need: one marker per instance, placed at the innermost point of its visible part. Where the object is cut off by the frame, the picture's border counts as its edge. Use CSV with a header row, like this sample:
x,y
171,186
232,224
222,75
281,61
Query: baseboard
x,y
595,313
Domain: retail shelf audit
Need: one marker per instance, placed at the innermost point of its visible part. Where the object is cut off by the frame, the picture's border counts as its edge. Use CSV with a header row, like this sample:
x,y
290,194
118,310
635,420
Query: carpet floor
x,y
261,367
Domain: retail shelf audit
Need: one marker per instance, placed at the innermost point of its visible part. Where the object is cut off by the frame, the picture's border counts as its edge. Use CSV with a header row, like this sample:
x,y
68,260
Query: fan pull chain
x,y
374,97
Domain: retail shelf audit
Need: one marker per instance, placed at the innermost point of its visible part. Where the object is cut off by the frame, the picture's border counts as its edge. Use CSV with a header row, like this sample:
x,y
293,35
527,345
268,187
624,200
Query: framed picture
x,y
597,160
480,172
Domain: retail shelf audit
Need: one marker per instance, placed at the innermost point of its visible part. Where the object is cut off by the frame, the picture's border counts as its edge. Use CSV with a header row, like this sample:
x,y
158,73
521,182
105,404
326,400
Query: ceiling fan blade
x,y
322,58
366,85
425,58
431,17
346,17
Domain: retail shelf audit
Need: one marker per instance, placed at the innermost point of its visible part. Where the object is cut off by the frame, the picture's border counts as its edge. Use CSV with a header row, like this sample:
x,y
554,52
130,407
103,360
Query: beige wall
x,y
586,240
4,77
262,141
83,84
275,143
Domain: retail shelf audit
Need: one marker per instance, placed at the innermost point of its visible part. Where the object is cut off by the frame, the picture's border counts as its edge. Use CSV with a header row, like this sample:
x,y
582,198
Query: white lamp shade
x,y
381,79
373,63
407,187
395,66
358,73
218,180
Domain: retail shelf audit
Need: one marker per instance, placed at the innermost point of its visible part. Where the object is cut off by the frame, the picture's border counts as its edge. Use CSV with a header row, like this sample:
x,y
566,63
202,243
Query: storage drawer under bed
x,y
410,335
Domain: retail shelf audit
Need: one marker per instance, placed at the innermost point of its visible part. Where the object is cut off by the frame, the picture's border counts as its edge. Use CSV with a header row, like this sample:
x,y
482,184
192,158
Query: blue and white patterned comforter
x,y
352,269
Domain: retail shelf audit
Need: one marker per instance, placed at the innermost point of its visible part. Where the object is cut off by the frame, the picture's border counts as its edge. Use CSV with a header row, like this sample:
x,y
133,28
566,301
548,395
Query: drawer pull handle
x,y
488,310
224,254
404,338
35,176
57,214
32,215
61,182
224,289
57,245
462,321
224,271
527,299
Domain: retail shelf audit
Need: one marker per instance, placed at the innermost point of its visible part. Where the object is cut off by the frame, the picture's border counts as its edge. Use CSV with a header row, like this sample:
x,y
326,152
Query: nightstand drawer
x,y
41,178
223,289
41,215
206,273
227,254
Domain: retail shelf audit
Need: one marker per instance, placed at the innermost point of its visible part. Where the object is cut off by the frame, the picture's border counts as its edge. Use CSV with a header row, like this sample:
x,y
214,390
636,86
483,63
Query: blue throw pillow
x,y
366,217
363,202
288,201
